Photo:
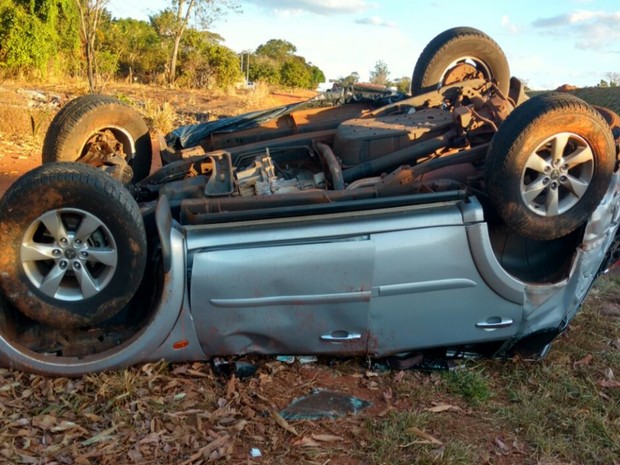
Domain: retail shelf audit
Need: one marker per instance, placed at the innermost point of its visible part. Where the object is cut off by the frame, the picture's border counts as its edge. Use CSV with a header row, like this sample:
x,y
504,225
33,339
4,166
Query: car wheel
x,y
459,54
101,131
549,165
613,120
73,245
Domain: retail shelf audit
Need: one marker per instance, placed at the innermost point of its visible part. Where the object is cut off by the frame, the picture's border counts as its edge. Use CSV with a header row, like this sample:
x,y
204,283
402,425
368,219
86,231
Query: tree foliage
x,y
264,69
141,54
613,79
80,38
38,36
204,11
347,81
275,62
205,63
403,84
380,74
276,49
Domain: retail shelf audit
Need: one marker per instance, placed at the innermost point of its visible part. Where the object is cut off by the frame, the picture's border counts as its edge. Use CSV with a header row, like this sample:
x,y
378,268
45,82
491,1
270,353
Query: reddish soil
x,y
15,160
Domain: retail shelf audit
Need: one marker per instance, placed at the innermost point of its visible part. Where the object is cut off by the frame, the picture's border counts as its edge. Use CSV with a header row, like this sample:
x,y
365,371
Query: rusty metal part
x,y
491,113
450,93
406,156
221,179
330,160
304,203
461,72
360,140
298,122
497,108
104,151
473,155
101,146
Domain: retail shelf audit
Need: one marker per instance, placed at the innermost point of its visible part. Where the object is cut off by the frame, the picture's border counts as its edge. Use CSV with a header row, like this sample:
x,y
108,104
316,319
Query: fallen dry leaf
x,y
283,423
211,451
423,434
103,436
609,383
327,438
502,445
440,407
306,442
584,361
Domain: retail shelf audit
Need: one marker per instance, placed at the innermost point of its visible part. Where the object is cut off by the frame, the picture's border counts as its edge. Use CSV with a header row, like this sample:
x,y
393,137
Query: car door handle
x,y
340,336
495,323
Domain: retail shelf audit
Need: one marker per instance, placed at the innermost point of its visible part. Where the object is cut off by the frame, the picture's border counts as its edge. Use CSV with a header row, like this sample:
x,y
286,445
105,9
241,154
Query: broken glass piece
x,y
323,404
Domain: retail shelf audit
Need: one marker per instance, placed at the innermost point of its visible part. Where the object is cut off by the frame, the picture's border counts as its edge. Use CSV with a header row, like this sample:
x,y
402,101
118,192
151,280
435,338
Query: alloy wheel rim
x,y
557,174
69,255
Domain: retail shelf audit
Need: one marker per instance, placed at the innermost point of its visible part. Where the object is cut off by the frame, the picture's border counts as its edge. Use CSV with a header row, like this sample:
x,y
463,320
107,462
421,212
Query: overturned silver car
x,y
464,217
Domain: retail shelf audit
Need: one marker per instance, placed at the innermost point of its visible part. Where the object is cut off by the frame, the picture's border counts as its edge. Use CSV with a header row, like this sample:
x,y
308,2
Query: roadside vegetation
x,y
56,40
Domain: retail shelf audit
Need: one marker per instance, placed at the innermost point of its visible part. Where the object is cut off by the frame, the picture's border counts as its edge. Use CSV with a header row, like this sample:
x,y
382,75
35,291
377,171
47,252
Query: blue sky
x,y
548,43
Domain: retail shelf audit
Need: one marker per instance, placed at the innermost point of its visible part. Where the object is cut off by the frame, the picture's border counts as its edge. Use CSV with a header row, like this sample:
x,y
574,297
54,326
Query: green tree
x,y
380,74
277,49
274,62
205,63
316,75
349,80
141,53
205,11
403,84
264,69
295,73
38,36
613,79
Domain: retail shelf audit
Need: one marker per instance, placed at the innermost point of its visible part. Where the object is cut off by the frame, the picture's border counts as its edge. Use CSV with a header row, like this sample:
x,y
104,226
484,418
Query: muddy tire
x,y
458,54
613,119
79,122
549,165
73,245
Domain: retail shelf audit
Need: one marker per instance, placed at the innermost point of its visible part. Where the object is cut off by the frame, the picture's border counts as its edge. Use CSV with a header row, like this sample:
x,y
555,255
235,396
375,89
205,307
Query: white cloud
x,y
506,24
320,7
375,21
593,30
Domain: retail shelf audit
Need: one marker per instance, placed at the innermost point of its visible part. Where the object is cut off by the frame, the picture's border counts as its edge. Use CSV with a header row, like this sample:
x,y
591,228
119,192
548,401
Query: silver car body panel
x,y
374,282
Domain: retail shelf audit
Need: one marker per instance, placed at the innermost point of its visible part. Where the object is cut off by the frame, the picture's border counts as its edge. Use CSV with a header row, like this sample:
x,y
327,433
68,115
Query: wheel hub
x,y
557,174
69,255
461,72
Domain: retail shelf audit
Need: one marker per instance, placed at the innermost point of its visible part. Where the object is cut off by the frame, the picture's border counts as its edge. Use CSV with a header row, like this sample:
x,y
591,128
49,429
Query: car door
x,y
427,292
287,296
